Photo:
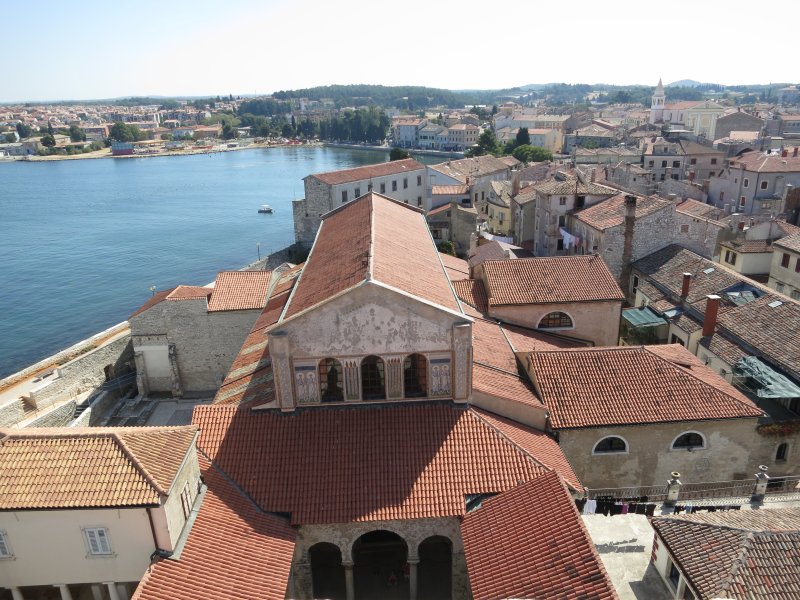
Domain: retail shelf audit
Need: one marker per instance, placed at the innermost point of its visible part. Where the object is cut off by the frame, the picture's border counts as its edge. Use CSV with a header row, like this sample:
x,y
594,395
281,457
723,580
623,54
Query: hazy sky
x,y
54,49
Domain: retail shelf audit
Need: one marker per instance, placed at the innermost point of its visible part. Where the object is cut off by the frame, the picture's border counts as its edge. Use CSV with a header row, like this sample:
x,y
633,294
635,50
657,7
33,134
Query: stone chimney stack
x,y
515,183
627,247
687,279
794,152
710,319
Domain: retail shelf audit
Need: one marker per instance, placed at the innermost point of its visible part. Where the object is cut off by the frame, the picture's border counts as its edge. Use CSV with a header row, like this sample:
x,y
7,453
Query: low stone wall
x,y
11,413
85,372
58,417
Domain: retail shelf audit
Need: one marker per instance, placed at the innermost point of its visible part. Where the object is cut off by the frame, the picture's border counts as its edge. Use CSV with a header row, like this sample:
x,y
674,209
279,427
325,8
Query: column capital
x,y
347,564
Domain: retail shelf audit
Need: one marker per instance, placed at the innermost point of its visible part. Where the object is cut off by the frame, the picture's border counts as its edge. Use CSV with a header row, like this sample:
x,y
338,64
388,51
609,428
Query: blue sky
x,y
91,49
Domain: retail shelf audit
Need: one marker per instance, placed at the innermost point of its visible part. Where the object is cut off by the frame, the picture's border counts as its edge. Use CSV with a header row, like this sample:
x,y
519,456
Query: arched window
x,y
610,445
689,441
330,380
555,320
782,451
372,378
415,376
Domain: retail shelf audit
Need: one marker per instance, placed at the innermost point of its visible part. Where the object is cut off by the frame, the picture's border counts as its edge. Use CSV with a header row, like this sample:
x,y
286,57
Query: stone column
x,y
281,369
113,594
97,592
177,389
16,594
122,590
348,580
413,562
462,362
64,589
142,382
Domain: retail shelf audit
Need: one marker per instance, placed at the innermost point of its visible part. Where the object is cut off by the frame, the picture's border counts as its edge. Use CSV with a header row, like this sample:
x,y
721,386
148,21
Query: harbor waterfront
x,y
85,241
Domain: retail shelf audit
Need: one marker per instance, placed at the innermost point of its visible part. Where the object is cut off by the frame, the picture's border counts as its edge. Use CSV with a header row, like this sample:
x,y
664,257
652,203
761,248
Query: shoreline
x,y
106,152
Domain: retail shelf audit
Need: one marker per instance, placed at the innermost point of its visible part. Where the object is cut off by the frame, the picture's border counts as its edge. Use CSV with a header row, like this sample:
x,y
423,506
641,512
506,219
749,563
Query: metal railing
x,y
653,493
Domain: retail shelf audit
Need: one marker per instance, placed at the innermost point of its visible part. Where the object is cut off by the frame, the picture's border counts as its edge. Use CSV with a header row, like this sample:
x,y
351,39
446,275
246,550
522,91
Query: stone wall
x,y
57,417
85,372
11,413
344,536
682,189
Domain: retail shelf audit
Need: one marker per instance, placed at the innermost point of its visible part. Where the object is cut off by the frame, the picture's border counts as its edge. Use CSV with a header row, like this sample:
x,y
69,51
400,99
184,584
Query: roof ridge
x,y
137,464
738,563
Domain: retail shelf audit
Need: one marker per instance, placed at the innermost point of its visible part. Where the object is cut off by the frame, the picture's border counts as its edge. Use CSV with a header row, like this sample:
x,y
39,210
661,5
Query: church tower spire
x,y
657,103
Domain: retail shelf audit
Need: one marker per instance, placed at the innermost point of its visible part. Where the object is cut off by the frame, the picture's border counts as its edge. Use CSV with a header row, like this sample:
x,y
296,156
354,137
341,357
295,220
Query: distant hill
x,y
686,83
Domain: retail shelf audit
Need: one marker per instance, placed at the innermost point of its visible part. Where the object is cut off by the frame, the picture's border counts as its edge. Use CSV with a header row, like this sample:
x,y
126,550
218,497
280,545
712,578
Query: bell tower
x,y
657,103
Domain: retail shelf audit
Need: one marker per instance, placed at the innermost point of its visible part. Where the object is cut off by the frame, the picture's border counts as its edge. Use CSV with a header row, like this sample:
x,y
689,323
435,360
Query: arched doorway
x,y
373,378
327,573
435,570
379,560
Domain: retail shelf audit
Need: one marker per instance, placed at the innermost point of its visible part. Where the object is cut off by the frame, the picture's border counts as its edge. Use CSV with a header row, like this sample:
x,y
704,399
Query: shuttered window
x,y
97,540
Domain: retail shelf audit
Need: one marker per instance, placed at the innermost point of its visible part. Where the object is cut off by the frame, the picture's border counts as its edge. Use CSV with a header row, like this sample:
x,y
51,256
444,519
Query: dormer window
x,y
415,376
331,388
373,378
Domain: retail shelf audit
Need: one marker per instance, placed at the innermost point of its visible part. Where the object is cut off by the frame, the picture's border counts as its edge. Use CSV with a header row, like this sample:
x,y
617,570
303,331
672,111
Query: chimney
x,y
369,187
593,171
794,152
627,244
710,318
687,279
630,206
784,154
515,183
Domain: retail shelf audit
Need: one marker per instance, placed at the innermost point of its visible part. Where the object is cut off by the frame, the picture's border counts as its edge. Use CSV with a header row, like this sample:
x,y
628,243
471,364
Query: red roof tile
x,y
597,387
240,290
759,162
85,467
550,280
752,554
530,542
395,167
361,240
330,466
257,547
611,212
449,190
152,301
456,268
189,292
791,242
473,293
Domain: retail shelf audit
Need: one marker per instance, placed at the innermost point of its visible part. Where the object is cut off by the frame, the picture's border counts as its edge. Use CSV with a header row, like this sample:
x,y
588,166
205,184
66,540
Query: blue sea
x,y
83,241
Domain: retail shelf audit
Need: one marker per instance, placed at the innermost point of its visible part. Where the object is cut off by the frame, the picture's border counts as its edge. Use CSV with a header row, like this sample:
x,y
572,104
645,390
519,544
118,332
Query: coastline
x,y
106,152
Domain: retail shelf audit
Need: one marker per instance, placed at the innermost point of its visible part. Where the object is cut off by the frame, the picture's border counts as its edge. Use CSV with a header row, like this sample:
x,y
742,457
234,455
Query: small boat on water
x,y
265,208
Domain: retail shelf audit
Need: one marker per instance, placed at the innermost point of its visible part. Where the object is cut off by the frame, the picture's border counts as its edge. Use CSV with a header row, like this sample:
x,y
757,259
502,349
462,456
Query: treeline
x,y
361,125
411,98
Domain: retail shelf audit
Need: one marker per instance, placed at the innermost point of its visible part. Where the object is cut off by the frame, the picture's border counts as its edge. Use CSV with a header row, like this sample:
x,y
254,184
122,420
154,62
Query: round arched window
x,y
610,445
555,320
688,441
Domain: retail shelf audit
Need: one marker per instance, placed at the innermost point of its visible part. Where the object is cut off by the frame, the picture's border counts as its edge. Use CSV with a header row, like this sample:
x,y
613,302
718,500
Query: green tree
x,y
228,132
523,137
487,143
10,138
528,154
50,128
398,154
48,140
24,130
447,247
123,132
76,134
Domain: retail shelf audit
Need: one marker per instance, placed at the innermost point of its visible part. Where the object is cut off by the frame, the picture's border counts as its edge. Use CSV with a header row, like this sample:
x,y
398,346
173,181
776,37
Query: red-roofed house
x,y
574,296
405,180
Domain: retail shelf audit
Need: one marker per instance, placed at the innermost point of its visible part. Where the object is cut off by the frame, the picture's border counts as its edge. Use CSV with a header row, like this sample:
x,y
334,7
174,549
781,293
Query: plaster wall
x,y
50,547
173,507
733,451
595,321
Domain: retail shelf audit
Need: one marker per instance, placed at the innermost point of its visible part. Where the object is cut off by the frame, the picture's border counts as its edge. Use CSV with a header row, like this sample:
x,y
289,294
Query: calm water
x,y
82,241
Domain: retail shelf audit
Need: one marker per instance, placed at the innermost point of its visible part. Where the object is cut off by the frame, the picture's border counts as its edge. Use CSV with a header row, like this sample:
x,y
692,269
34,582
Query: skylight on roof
x,y
775,304
708,270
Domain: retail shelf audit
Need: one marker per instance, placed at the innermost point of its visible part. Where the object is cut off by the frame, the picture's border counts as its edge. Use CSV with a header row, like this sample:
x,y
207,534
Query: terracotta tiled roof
x,y
470,168
362,240
227,525
764,328
791,242
751,554
550,280
456,268
502,384
536,443
748,246
240,290
304,463
532,340
89,467
759,162
472,292
596,387
723,348
496,250
152,301
395,167
611,212
530,542
189,292
568,186
449,190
